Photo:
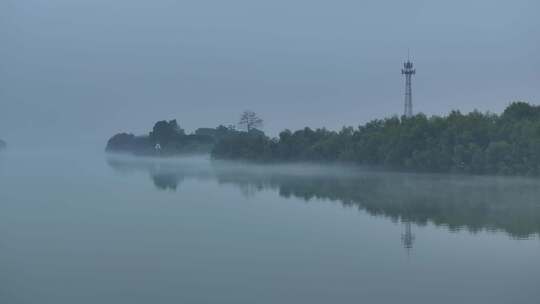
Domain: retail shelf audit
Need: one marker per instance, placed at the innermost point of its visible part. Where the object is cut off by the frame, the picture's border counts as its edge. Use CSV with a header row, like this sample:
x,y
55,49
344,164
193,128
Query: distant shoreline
x,y
474,143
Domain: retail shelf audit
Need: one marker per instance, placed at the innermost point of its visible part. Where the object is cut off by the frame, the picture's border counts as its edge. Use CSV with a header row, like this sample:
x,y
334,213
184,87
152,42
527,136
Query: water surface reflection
x,y
456,202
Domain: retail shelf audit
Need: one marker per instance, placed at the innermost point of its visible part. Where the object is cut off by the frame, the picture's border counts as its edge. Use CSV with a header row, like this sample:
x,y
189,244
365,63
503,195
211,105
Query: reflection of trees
x,y
166,181
473,203
163,176
456,202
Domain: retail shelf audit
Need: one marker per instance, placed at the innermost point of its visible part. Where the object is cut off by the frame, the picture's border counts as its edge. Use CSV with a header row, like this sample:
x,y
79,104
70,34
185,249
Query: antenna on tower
x,y
408,71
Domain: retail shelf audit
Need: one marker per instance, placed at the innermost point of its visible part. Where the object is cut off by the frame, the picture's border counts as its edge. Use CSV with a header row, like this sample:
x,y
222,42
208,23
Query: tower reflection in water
x,y
407,237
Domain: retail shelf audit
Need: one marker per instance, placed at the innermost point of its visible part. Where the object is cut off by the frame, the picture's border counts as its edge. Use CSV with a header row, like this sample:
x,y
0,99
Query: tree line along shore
x,y
473,143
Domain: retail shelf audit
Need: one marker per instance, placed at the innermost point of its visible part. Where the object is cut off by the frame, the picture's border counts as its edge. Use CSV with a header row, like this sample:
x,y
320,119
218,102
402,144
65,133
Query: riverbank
x,y
474,143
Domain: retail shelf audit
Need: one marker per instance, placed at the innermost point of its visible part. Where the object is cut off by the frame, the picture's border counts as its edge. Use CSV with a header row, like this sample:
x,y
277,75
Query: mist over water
x,y
91,228
454,201
78,226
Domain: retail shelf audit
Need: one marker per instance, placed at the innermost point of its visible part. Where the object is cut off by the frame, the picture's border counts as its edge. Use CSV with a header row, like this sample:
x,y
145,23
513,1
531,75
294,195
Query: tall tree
x,y
166,131
249,120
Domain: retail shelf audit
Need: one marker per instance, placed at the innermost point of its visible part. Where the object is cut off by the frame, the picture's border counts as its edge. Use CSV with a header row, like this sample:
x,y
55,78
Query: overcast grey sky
x,y
74,72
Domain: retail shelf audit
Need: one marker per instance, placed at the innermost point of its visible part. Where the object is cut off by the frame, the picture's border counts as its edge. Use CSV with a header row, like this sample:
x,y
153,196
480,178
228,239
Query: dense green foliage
x,y
467,143
171,138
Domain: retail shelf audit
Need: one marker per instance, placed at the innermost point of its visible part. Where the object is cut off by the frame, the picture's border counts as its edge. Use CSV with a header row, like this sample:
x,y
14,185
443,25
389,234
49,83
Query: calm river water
x,y
109,229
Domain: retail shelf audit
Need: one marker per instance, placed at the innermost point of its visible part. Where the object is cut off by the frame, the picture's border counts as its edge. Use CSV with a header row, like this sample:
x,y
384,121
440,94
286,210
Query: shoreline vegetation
x,y
168,139
473,143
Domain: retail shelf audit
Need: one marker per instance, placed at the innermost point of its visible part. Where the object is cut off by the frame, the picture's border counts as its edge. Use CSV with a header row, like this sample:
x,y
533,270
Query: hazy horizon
x,y
76,72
